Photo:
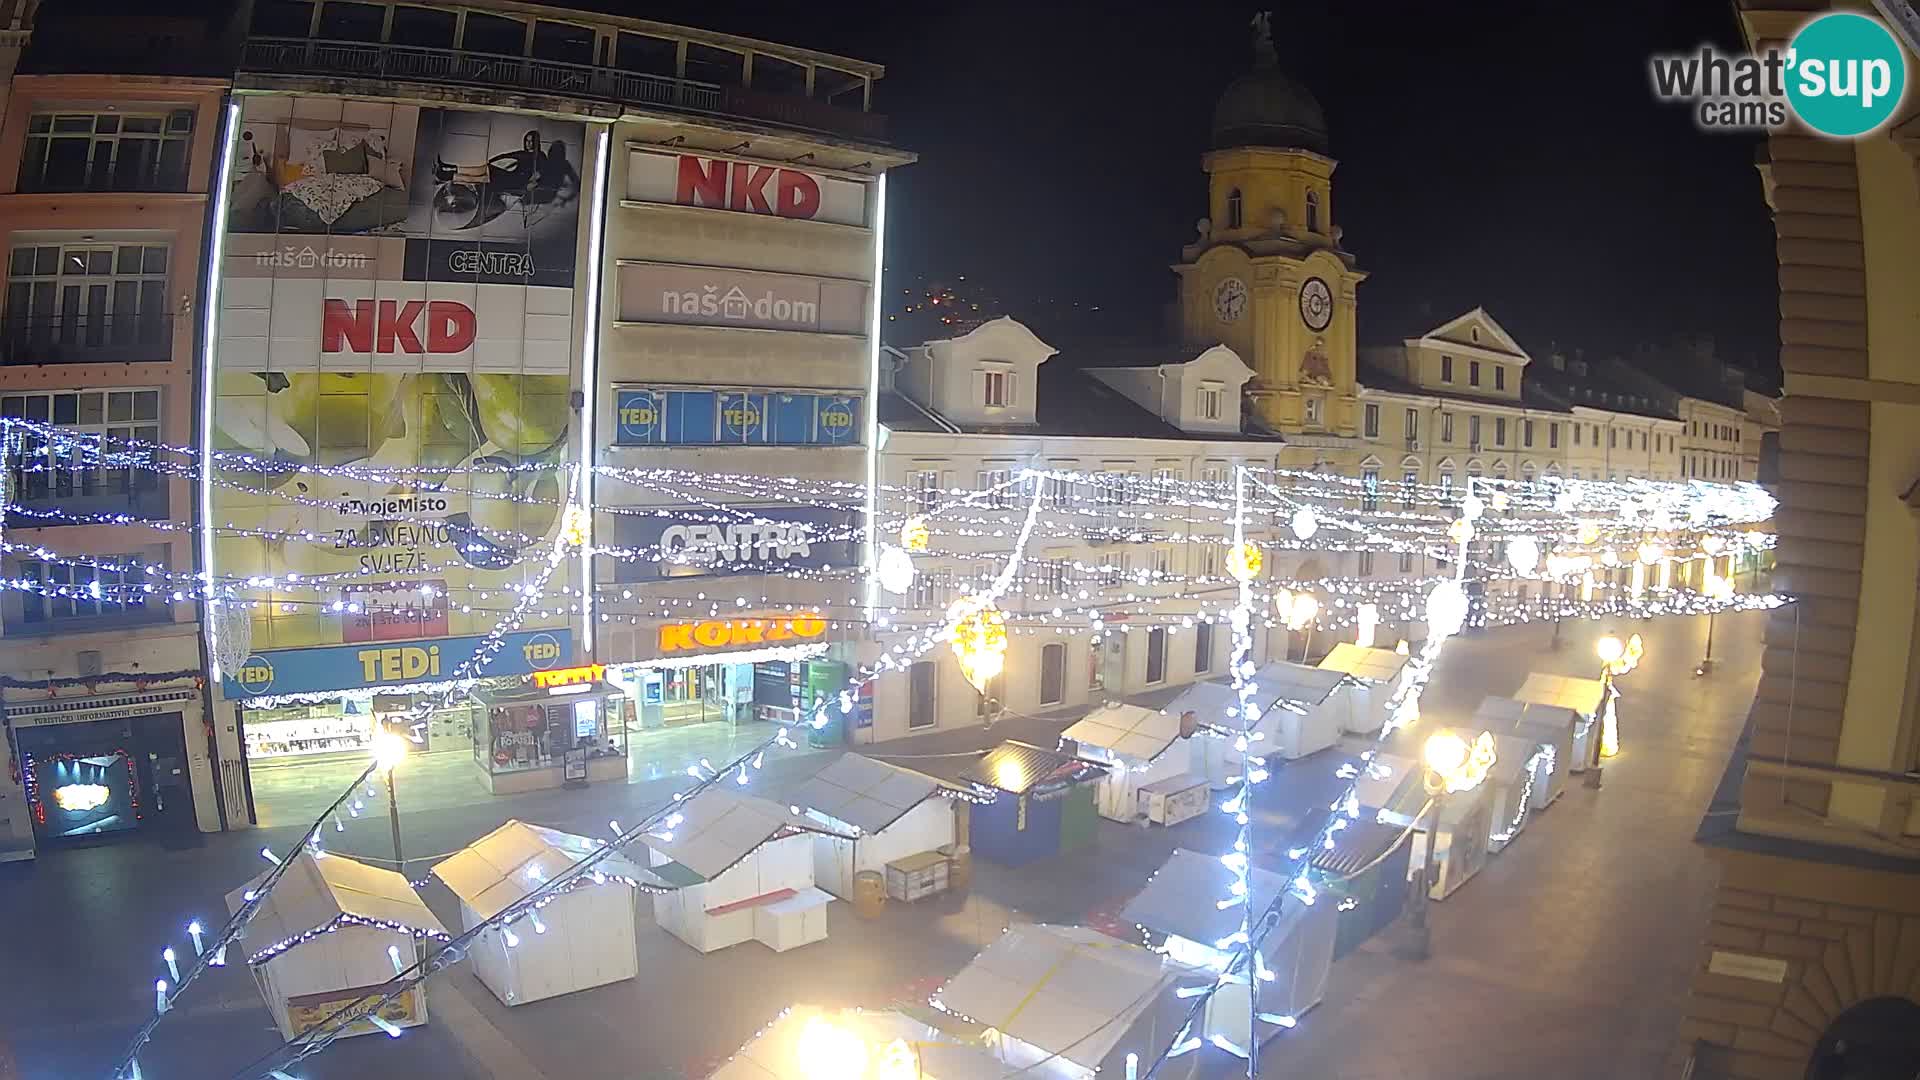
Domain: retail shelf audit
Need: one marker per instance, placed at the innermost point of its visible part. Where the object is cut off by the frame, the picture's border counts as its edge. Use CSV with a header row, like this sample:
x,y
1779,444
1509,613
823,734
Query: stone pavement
x,y
1567,957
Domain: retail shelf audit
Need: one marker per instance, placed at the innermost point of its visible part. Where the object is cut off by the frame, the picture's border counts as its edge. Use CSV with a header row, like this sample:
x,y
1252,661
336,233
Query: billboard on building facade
x,y
755,299
771,540
747,187
397,325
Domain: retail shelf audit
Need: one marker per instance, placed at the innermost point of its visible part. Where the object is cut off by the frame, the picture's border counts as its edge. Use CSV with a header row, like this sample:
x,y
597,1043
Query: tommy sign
x,y
744,187
718,296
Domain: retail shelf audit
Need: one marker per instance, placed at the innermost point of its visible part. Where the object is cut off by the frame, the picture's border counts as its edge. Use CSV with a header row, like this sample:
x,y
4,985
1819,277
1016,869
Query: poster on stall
x,y
396,338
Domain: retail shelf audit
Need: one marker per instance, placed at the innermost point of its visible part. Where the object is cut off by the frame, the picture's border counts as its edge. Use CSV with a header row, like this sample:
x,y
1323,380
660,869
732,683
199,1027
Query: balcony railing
x,y
386,63
128,175
48,499
86,339
1795,800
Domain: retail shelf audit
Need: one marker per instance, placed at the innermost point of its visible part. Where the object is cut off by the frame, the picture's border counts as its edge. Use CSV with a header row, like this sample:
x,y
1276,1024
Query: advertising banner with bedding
x,y
397,325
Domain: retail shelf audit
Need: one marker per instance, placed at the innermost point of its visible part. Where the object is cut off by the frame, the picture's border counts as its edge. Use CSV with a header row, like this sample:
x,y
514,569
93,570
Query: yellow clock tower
x,y
1266,276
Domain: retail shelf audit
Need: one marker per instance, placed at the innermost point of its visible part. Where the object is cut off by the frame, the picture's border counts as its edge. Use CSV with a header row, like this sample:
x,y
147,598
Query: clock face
x,y
1229,299
1316,304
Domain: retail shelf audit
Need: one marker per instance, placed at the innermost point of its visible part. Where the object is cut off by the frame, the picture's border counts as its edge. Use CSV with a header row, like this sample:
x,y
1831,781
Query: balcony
x,y
86,339
385,63
47,499
129,174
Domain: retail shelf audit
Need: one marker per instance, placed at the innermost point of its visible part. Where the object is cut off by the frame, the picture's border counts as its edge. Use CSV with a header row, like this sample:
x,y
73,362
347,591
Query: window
x,y
350,22
996,494
88,302
45,473
996,389
1553,437
1236,213
1366,564
1526,472
1526,433
1313,407
1446,369
1473,334
1613,438
1372,421
567,43
1446,428
1473,373
1499,376
1499,431
1052,577
1166,482
1059,493
923,681
1596,434
1208,405
1053,674
495,34
1209,560
109,587
1162,560
1313,211
1409,482
1413,426
1473,431
1446,482
931,592
925,486
1370,486
425,28
1202,648
109,151
1156,655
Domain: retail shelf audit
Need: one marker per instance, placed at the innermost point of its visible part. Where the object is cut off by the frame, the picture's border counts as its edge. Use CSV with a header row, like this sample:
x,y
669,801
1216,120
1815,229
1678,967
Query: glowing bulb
x,y
389,749
1445,753
1713,543
1446,609
1610,649
1302,610
1303,523
1244,562
825,1051
894,570
1461,531
914,534
1650,553
1472,506
1523,554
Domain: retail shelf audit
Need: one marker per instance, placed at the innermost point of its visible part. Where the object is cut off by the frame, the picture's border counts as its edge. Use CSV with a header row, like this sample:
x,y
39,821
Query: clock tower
x,y
1266,276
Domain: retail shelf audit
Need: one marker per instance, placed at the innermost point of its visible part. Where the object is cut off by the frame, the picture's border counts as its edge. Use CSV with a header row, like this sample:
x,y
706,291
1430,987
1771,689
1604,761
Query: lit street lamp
x,y
1603,737
1451,765
389,750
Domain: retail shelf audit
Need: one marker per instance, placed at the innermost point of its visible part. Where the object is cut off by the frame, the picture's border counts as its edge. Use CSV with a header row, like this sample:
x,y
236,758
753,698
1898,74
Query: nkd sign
x,y
745,187
414,327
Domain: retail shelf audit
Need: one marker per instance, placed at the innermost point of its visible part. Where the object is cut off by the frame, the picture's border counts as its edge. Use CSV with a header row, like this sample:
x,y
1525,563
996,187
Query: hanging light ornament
x,y
574,522
1301,610
978,639
1304,524
1609,557
1244,562
1461,531
895,569
1446,609
1367,621
1650,553
1523,554
1567,497
914,534
1500,501
1712,543
1587,532
1472,506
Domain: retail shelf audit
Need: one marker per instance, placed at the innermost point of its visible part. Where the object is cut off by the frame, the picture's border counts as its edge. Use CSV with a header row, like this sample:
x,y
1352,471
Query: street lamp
x,y
389,750
1603,739
1451,765
1719,590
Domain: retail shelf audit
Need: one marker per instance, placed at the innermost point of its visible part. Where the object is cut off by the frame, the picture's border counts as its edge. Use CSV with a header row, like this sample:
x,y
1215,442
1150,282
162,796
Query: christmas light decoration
x,y
1446,609
1303,523
978,638
1456,765
895,569
914,534
1244,561
1523,554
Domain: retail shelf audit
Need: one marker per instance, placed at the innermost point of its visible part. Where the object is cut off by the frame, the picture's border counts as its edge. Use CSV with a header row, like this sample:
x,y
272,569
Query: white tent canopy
x,y
1550,726
869,795
1376,674
807,1043
745,869
1071,998
1374,665
1136,741
719,828
504,866
1584,697
895,812
327,890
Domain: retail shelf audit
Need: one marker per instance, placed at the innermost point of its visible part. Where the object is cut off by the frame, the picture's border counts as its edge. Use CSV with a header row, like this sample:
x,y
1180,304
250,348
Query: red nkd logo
x,y
737,185
388,326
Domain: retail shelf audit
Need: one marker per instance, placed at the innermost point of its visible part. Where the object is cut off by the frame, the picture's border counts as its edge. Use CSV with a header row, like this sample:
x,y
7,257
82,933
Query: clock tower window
x,y
1313,211
1236,209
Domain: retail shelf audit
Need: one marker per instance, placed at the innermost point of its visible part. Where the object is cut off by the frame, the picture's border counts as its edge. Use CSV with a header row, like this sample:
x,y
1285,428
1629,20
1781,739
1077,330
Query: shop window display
x,y
518,736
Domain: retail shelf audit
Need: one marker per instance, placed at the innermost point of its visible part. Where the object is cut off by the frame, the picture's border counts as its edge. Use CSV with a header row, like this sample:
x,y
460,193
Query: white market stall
x,y
812,1043
1509,785
740,868
1376,676
1069,1003
1298,713
878,813
1585,698
1181,901
1393,790
1549,727
1139,745
327,937
1390,789
583,937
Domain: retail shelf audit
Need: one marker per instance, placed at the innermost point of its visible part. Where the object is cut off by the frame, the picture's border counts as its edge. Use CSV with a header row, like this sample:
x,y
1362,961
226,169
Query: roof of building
x,y
318,890
1019,768
1177,898
1265,107
867,794
501,868
1374,377
1128,731
1569,692
718,828
1377,665
775,1052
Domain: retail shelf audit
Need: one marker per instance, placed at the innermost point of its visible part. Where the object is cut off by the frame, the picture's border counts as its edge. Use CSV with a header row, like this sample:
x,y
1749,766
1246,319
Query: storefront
x,y
108,764
552,728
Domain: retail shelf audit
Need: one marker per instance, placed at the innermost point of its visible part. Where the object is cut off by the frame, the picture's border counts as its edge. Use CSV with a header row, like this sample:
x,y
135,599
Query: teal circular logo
x,y
1845,74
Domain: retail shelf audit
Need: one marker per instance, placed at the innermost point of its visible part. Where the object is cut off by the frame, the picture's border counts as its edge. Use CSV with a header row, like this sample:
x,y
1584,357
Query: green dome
x,y
1266,108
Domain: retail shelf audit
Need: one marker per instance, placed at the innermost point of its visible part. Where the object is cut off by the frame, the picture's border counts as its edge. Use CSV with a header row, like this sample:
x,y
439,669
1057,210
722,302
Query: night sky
x,y
1505,154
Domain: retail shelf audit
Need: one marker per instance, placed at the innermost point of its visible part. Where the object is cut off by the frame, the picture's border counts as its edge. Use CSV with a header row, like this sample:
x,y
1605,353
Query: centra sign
x,y
739,633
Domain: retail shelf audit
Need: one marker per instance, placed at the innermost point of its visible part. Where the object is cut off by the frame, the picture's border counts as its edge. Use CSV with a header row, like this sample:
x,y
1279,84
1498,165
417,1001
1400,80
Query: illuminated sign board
x,y
658,416
588,673
739,633
384,664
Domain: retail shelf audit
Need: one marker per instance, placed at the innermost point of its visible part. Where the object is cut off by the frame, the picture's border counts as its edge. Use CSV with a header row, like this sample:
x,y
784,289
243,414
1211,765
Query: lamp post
x,y
1451,764
1719,590
389,749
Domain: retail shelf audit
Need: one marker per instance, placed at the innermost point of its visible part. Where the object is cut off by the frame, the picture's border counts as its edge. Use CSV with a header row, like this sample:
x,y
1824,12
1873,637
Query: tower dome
x,y
1266,108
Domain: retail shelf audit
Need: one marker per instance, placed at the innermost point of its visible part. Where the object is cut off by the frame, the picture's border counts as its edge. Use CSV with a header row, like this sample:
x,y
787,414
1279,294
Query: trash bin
x,y
869,893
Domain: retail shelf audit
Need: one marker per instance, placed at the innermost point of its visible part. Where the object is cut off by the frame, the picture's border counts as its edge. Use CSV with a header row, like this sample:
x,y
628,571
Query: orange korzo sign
x,y
735,633
567,676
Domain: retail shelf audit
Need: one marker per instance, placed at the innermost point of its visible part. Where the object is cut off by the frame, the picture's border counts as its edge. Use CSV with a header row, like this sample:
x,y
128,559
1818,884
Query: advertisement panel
x,y
745,187
703,417
722,296
379,664
783,538
397,324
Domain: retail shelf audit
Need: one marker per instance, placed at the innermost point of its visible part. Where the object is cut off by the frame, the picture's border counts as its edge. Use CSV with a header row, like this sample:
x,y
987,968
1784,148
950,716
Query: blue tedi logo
x,y
1843,75
255,675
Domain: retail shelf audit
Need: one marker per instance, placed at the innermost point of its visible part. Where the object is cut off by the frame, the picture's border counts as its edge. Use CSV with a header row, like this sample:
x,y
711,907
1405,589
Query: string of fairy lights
x,y
962,560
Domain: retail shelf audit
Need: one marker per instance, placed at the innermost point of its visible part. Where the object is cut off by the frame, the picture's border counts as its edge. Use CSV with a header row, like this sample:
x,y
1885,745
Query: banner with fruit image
x,y
397,334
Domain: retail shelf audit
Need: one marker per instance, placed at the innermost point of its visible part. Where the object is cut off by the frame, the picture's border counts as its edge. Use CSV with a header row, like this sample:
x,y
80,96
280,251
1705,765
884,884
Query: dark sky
x,y
1505,154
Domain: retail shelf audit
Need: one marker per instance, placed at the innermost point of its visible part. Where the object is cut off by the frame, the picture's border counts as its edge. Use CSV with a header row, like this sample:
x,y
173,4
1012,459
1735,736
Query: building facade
x,y
104,182
1807,967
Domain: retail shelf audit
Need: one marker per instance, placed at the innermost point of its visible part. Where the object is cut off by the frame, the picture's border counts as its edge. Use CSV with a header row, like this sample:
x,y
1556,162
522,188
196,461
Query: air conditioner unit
x,y
1413,444
86,663
1475,447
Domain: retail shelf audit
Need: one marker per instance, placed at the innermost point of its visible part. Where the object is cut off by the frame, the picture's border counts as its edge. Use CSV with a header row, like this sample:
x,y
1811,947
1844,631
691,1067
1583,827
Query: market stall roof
x,y
864,793
1180,897
1207,701
1581,695
1374,665
1358,846
502,867
1500,714
1129,731
1068,990
776,1052
1284,680
1511,753
321,890
1018,768
718,828
1383,784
